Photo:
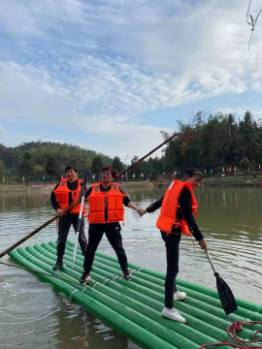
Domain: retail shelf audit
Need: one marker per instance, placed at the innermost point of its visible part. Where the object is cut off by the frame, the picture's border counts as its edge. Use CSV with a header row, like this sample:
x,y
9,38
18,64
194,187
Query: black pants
x,y
64,225
172,258
95,234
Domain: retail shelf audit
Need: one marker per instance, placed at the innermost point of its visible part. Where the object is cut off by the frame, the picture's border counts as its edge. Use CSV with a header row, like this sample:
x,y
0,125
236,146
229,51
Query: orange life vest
x,y
110,201
62,195
168,214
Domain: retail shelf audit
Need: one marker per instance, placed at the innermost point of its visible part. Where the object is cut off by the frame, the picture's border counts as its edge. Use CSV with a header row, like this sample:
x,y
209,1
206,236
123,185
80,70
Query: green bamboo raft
x,y
133,307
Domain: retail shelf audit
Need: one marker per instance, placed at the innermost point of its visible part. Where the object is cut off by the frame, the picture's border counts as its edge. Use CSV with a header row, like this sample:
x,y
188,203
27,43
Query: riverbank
x,y
233,181
46,188
30,188
230,181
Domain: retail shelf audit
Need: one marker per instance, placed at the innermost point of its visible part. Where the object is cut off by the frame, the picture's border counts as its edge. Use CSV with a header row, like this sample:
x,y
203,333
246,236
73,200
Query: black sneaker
x,y
58,267
85,279
126,275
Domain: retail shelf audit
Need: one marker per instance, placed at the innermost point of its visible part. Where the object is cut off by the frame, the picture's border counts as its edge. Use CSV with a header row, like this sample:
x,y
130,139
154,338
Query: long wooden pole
x,y
28,236
147,155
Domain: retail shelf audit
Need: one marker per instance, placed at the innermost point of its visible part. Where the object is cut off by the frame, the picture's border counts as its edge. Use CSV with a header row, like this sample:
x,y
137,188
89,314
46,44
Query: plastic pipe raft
x,y
133,307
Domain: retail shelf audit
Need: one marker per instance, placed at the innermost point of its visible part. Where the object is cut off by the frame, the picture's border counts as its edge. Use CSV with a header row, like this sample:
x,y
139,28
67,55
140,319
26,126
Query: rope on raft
x,y
255,341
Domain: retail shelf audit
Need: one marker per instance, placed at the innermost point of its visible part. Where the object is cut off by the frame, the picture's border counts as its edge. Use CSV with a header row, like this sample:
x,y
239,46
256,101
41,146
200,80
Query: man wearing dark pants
x,y
63,195
178,206
112,232
106,200
172,257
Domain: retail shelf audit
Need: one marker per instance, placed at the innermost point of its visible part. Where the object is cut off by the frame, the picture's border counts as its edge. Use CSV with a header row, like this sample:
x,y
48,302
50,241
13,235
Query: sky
x,y
109,75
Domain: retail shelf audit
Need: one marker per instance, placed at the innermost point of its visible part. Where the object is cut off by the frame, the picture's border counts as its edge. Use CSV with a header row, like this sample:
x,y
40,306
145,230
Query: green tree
x,y
97,165
38,171
215,143
2,170
244,165
52,157
52,167
117,164
26,166
249,137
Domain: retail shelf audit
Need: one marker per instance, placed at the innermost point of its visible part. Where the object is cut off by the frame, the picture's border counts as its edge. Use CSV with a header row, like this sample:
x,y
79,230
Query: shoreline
x,y
233,181
137,185
23,188
47,188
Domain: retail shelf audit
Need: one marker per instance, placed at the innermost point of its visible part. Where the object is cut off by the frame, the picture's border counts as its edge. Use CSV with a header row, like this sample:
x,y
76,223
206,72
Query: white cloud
x,y
30,96
108,63
123,138
29,93
36,17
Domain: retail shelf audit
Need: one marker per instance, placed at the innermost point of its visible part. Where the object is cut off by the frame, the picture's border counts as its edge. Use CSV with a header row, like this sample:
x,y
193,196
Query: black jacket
x,y
184,211
70,186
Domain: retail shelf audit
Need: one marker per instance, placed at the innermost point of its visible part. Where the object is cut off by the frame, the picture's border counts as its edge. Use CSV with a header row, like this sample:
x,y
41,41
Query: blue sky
x,y
110,75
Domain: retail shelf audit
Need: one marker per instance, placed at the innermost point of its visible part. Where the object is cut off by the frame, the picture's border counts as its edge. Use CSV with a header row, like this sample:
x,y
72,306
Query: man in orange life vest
x,y
106,200
178,207
65,192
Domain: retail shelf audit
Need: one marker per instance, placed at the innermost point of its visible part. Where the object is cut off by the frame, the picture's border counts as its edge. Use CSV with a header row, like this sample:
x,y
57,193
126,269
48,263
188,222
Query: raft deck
x,y
133,307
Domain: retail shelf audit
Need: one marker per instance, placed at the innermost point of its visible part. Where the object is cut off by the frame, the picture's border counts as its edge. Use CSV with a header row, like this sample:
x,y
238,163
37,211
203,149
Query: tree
x,y
2,170
38,171
134,172
97,165
244,165
26,166
220,141
52,167
117,164
52,157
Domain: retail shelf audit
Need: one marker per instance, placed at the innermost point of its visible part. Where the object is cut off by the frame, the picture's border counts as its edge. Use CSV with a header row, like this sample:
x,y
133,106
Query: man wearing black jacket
x,y
106,209
62,196
183,222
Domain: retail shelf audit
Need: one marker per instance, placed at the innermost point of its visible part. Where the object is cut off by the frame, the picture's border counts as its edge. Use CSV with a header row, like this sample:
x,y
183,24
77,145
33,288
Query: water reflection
x,y
24,201
231,212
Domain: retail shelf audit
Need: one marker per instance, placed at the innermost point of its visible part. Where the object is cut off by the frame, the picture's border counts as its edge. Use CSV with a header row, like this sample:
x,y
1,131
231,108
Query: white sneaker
x,y
173,314
179,296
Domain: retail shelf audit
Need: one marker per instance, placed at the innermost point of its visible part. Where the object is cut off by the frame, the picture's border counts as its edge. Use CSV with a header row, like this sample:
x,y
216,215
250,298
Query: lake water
x,y
32,314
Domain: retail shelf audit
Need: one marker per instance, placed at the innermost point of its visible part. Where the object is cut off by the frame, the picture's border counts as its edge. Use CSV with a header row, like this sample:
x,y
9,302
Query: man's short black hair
x,y
109,168
191,172
70,167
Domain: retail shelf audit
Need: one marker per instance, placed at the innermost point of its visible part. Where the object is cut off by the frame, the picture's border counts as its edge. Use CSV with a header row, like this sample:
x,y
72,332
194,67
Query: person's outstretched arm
x,y
185,203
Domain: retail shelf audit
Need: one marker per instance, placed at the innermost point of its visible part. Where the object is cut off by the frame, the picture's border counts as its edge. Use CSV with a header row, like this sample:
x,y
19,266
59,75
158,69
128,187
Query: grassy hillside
x,y
44,161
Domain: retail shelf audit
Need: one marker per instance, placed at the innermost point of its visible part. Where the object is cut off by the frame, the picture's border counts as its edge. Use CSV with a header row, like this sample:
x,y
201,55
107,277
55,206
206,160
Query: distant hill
x,y
47,160
219,145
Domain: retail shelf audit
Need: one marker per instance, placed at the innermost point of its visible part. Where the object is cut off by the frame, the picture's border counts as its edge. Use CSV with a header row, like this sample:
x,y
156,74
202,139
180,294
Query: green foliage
x,y
149,169
53,168
2,170
213,143
97,165
117,164
37,161
26,166
216,143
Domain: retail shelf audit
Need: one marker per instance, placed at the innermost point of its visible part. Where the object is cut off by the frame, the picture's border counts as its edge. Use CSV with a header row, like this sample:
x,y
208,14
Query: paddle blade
x,y
226,296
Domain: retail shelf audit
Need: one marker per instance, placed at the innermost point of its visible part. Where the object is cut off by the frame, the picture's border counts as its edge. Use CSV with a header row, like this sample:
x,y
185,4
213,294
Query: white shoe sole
x,y
181,320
